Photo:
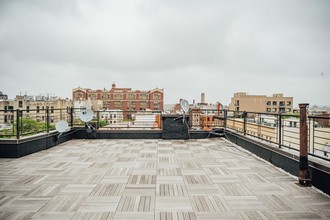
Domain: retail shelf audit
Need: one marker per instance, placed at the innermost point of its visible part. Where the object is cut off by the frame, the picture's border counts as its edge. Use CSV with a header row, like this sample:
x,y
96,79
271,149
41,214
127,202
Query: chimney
x,y
113,85
202,97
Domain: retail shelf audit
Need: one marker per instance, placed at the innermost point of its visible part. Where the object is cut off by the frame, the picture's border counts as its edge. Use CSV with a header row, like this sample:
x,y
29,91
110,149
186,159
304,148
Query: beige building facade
x,y
276,103
34,108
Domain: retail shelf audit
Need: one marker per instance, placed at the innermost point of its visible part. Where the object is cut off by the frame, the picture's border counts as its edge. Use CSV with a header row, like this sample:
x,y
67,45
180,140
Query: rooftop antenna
x,y
185,108
62,126
184,105
86,116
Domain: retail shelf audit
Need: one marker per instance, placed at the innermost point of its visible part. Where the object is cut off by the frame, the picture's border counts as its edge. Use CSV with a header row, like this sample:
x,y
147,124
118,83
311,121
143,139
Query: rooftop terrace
x,y
152,179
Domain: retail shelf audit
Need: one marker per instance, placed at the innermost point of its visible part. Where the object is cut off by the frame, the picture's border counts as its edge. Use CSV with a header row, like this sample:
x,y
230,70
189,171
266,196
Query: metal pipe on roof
x,y
304,178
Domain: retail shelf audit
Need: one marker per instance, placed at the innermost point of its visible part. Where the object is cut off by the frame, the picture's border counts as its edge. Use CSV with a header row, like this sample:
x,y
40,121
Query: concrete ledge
x,y
142,134
320,174
81,133
26,146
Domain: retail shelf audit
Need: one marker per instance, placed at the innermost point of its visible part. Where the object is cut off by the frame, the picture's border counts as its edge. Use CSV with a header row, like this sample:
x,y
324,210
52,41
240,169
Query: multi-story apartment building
x,y
111,116
35,108
202,116
276,103
124,99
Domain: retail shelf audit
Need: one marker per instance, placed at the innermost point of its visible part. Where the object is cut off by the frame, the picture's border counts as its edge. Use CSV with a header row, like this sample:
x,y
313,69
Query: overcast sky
x,y
187,47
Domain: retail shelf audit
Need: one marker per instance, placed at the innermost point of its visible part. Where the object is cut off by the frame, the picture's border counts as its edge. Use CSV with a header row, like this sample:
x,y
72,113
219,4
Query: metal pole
x,y
47,119
313,134
17,124
225,117
71,117
97,119
279,130
244,122
303,176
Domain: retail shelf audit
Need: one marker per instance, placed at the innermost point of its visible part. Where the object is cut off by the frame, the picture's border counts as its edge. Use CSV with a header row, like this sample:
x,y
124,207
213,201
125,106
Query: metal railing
x,y
18,123
21,123
281,130
121,120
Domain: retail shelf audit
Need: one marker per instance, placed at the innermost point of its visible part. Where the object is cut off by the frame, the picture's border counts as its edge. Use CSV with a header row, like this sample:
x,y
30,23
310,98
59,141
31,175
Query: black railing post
x,y
47,119
244,122
313,135
17,124
259,126
225,119
71,117
97,119
280,130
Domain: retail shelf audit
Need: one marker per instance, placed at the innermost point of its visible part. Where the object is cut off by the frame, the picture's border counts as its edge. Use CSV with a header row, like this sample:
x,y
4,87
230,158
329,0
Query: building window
x,y
236,102
282,103
288,103
157,96
269,102
106,104
131,96
131,104
117,105
268,110
143,96
20,104
38,109
92,96
118,96
288,109
274,103
274,109
27,109
79,95
6,119
52,109
144,104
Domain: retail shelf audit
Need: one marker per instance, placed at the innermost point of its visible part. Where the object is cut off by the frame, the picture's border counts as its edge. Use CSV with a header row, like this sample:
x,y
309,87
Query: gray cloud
x,y
185,47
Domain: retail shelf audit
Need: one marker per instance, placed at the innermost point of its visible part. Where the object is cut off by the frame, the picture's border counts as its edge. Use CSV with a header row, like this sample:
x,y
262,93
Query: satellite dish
x,y
184,105
86,115
62,126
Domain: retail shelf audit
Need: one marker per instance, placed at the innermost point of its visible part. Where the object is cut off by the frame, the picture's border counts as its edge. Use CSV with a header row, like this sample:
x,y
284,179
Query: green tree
x,y
103,123
27,126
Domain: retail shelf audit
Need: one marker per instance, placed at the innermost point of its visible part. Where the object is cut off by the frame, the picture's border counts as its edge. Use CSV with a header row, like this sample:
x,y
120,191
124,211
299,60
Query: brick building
x,y
124,99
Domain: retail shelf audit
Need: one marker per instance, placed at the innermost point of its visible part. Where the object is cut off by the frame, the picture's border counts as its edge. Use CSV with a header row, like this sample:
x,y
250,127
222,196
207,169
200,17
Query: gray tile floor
x,y
152,179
